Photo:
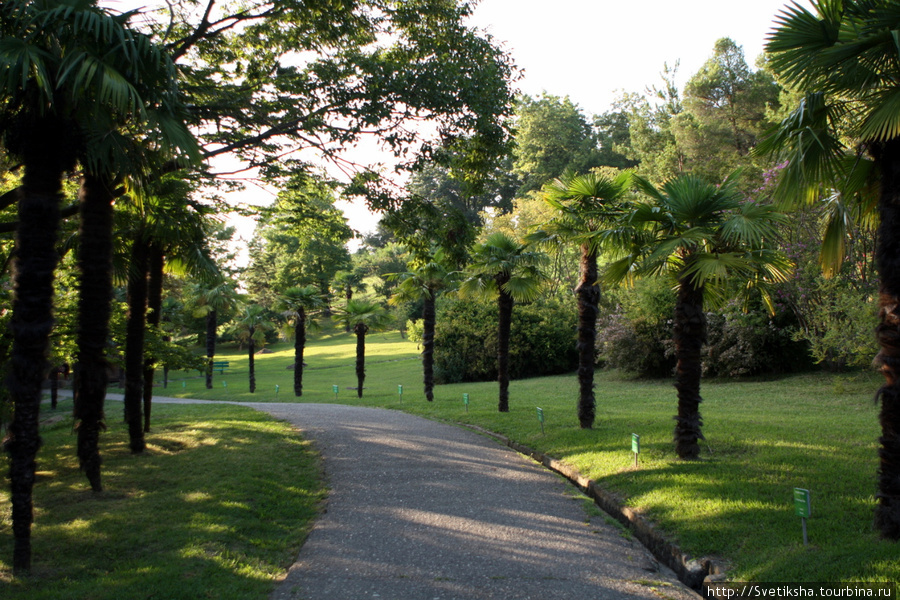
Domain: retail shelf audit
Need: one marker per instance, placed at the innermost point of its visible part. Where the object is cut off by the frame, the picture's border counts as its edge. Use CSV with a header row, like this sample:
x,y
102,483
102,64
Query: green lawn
x,y
184,520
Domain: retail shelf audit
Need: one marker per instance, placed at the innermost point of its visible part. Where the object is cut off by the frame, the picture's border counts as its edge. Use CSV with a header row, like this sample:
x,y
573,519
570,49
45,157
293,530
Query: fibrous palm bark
x,y
689,334
360,330
588,295
94,309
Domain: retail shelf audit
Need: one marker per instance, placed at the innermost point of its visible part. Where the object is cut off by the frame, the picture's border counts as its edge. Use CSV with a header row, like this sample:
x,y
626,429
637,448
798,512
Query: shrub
x,y
542,340
637,346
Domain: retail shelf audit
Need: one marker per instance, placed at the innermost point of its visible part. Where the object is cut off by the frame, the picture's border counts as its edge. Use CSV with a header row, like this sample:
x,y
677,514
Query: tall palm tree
x,y
63,66
252,325
845,137
362,316
704,237
212,300
298,301
349,282
586,206
424,281
505,270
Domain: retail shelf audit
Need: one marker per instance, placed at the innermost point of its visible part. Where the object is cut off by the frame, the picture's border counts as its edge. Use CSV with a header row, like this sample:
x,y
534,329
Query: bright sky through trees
x,y
593,50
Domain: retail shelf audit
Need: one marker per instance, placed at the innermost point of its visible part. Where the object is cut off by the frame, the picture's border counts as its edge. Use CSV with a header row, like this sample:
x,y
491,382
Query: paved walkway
x,y
420,510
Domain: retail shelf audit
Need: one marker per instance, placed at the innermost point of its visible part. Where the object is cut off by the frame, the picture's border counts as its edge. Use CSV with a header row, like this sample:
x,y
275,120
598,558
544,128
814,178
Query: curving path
x,y
420,510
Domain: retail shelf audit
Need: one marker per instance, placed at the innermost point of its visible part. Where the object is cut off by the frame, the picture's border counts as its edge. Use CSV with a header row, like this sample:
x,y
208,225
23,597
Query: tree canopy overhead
x,y
267,79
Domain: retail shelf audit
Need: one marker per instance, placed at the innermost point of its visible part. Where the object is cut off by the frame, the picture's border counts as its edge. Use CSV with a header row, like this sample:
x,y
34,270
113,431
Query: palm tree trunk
x,y
94,310
211,324
588,294
156,261
32,320
134,345
887,513
251,350
504,325
360,329
689,336
299,346
429,316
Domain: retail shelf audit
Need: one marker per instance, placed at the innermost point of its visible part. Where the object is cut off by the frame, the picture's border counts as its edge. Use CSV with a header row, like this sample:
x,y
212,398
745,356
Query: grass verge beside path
x,y
814,431
217,508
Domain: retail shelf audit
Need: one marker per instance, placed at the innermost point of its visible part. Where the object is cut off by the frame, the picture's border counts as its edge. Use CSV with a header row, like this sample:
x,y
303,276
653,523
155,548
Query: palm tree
x,y
586,207
704,237
424,281
362,316
349,282
212,300
64,65
296,302
252,325
507,270
845,136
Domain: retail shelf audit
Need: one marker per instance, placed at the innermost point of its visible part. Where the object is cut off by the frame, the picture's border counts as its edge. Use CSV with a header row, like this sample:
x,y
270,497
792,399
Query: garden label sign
x,y
400,391
466,401
803,509
635,447
540,416
334,389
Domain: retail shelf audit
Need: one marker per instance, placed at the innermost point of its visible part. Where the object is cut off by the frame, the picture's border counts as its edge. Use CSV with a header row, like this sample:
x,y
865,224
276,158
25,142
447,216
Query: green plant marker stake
x,y
400,391
224,384
803,509
334,389
276,391
466,401
184,385
540,416
635,447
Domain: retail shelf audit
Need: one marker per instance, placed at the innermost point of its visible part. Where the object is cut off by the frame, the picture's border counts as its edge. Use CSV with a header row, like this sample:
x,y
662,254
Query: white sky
x,y
593,50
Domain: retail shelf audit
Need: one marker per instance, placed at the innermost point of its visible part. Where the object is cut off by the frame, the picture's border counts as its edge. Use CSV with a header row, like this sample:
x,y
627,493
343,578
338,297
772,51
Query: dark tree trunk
x,y
504,324
689,334
251,350
32,318
211,324
429,316
134,344
156,262
348,295
588,294
54,388
94,310
887,513
299,346
360,329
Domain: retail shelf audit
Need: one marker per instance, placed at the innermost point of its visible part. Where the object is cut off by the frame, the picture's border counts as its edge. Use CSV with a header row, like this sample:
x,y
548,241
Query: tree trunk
x,y
360,329
689,336
887,513
299,346
252,367
156,262
32,319
588,294
134,344
94,310
211,324
504,324
54,388
429,316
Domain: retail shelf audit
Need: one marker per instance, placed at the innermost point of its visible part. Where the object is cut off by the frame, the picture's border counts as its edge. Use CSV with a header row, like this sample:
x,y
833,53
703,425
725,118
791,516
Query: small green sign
x,y
466,399
224,384
635,443
334,389
540,414
400,389
802,504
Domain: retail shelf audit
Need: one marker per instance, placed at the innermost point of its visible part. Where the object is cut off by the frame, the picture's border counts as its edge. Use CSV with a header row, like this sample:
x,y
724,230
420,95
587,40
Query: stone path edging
x,y
692,572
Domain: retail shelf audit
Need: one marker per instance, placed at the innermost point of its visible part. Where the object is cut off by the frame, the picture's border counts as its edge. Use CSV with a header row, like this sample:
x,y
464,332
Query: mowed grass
x,y
217,507
764,438
224,497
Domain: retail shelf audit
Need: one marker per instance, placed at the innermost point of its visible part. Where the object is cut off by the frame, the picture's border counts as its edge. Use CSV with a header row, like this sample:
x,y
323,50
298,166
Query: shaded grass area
x,y
765,437
217,507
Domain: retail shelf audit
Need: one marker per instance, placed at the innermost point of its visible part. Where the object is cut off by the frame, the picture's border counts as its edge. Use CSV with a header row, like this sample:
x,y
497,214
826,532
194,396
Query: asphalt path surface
x,y
421,510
